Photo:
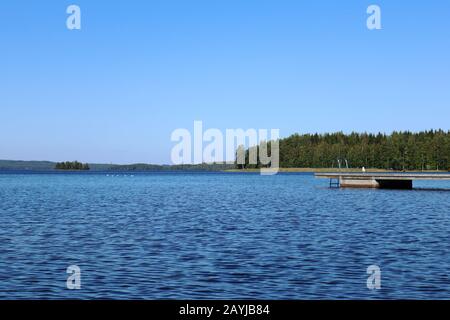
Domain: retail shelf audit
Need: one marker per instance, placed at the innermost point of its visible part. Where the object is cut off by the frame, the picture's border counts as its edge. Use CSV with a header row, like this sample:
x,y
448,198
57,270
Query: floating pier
x,y
378,180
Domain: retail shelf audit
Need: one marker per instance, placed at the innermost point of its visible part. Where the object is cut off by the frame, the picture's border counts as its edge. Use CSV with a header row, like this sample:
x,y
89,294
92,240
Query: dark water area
x,y
177,235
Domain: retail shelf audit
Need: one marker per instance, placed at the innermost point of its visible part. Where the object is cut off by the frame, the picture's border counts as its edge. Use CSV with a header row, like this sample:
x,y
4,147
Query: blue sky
x,y
137,70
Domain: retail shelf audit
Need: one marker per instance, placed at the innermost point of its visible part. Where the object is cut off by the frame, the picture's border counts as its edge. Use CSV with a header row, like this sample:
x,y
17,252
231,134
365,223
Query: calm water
x,y
186,235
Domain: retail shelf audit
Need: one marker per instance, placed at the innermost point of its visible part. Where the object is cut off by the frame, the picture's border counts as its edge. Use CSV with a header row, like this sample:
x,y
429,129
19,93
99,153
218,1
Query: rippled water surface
x,y
219,236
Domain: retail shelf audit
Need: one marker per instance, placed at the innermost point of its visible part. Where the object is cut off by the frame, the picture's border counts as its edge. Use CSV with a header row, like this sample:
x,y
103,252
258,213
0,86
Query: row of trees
x,y
71,165
427,150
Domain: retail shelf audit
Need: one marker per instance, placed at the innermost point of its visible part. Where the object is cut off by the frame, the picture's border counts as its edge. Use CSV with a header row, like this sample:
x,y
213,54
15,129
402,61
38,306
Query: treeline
x,y
71,165
180,167
427,150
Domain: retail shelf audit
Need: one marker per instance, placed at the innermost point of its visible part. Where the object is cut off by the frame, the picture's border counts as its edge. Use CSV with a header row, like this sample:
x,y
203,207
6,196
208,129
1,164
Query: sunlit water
x,y
219,236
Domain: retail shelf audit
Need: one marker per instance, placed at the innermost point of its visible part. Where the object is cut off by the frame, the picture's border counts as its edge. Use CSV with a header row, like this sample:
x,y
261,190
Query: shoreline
x,y
312,170
168,170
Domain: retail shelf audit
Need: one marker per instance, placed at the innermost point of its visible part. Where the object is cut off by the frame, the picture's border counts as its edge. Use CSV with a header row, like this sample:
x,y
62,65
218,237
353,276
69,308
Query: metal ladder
x,y
335,183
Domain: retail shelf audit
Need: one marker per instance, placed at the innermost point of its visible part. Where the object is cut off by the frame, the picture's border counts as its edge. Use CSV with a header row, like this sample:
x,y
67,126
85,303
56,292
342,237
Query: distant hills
x,y
50,166
26,165
184,167
41,165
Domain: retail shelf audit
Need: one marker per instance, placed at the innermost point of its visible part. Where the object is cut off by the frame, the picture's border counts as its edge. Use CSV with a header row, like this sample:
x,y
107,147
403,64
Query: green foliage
x,y
71,165
427,150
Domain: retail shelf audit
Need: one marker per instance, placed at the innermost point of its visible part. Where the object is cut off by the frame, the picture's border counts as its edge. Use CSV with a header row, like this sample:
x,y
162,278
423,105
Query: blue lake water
x,y
219,236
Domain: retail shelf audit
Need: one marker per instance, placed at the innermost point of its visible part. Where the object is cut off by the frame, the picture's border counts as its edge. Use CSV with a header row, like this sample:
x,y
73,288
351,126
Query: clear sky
x,y
137,70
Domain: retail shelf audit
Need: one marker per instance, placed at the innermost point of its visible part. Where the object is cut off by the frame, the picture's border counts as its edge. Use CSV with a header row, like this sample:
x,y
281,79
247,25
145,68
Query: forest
x,y
404,150
71,165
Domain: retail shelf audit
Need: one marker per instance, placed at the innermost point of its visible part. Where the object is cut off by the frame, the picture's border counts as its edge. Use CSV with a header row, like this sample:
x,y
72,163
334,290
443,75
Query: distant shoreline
x,y
193,170
20,165
23,165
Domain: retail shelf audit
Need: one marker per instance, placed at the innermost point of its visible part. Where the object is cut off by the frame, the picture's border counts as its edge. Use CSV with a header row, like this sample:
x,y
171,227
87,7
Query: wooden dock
x,y
379,180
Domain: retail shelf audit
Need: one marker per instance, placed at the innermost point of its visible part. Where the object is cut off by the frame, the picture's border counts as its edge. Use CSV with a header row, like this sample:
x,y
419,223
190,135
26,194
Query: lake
x,y
219,236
